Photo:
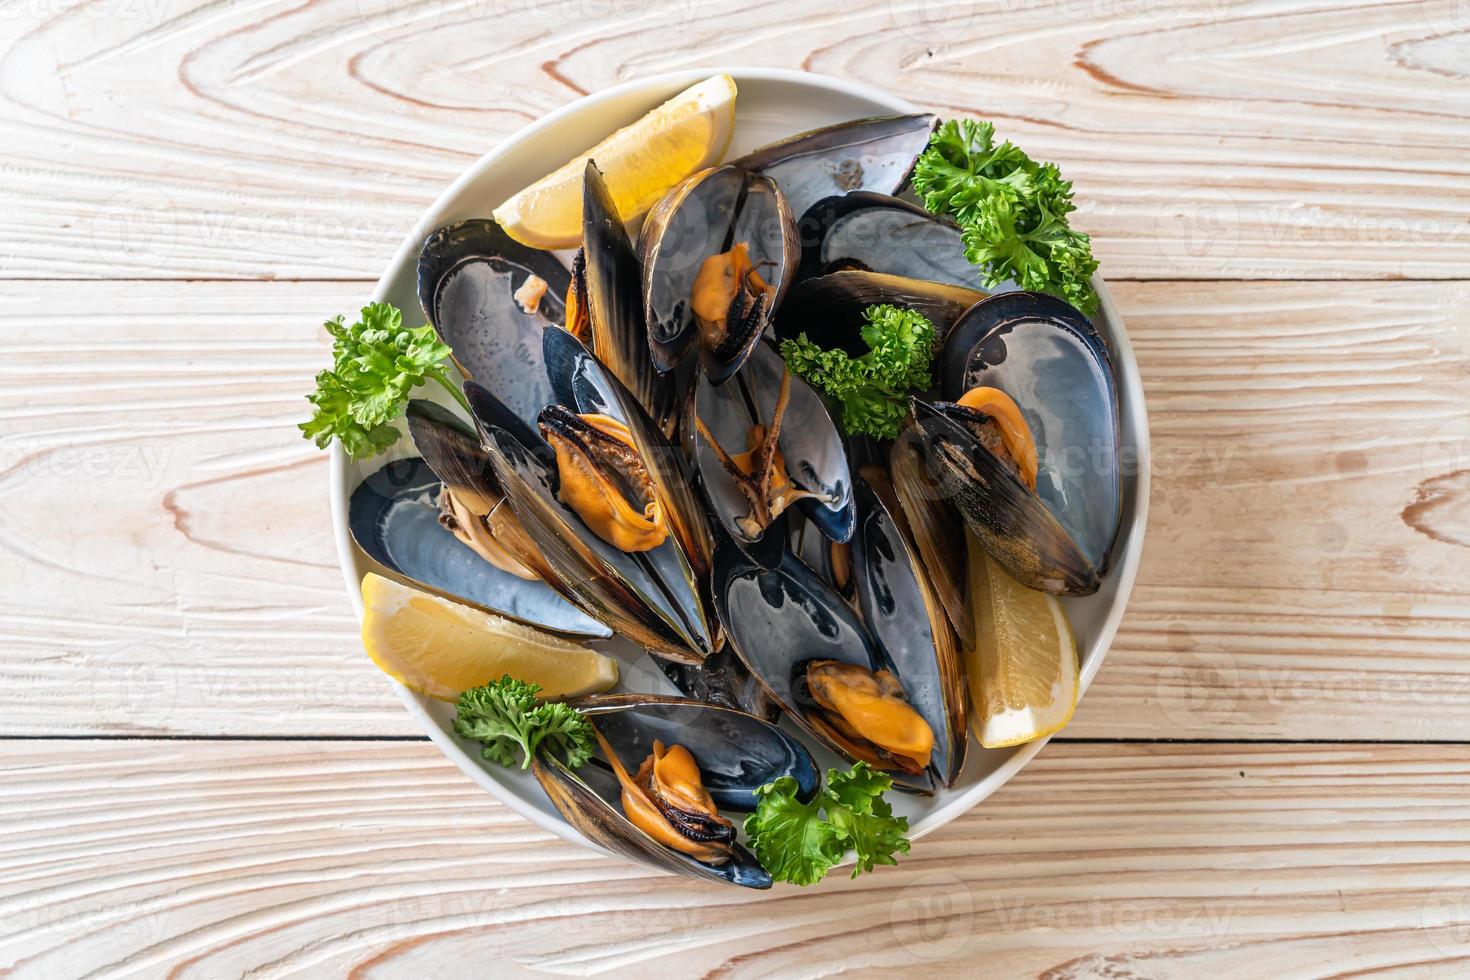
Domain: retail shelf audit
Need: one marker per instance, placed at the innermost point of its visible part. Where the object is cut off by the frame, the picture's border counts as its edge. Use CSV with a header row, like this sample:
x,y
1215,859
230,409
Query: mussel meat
x,y
596,476
602,477
668,767
718,251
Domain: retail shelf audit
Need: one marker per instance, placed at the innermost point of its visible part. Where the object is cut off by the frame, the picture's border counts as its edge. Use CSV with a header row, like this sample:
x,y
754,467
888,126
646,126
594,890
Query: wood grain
x,y
1303,575
189,859
1207,139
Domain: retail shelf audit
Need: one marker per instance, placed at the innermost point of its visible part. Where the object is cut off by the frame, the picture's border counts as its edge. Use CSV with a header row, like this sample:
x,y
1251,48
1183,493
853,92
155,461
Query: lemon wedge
x,y
641,162
440,648
1023,663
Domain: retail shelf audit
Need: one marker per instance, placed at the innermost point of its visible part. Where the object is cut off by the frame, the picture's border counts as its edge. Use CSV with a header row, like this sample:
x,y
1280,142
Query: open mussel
x,y
489,298
763,443
900,604
820,662
1028,448
718,251
875,154
396,518
606,502
667,768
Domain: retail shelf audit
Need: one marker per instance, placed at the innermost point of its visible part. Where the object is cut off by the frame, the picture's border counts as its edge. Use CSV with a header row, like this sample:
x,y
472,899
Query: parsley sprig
x,y
799,842
511,726
871,390
1012,211
376,362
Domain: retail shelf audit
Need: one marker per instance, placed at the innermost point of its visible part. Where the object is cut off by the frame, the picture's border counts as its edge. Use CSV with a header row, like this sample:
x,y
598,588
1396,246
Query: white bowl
x,y
772,104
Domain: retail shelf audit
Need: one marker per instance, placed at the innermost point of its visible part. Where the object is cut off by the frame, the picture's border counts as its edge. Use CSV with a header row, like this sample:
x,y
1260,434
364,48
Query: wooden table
x,y
204,777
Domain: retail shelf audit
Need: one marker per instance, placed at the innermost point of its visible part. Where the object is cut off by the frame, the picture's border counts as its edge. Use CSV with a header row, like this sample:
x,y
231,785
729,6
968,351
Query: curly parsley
x,y
872,390
1012,211
376,362
795,843
511,726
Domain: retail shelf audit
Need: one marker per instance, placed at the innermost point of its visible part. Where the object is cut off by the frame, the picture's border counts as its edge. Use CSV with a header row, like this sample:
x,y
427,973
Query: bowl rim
x,y
1125,563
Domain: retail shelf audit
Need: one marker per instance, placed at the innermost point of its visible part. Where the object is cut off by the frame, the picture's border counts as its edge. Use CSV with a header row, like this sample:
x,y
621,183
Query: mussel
x,y
1028,447
878,233
822,664
395,518
763,443
489,298
608,300
875,154
718,251
596,478
668,767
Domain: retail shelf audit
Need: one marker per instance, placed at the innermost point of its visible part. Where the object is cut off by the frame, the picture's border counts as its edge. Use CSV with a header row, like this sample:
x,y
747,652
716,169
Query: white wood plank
x,y
1216,138
382,860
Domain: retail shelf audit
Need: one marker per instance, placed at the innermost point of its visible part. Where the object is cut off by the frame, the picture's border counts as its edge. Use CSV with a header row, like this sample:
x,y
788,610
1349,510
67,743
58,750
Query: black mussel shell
x,y
393,516
615,302
1053,363
778,619
875,154
736,753
1011,521
879,233
901,608
467,279
706,215
809,443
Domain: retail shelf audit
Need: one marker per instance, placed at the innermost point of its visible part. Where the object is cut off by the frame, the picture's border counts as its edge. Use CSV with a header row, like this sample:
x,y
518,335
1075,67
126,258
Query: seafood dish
x,y
780,438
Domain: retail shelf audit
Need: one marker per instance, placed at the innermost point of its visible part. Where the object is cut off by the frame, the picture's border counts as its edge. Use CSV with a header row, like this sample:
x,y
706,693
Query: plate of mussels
x,y
743,473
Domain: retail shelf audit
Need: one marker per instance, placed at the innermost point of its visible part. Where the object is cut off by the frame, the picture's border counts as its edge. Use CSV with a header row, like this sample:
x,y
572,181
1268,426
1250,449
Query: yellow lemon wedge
x,y
1023,663
440,648
641,162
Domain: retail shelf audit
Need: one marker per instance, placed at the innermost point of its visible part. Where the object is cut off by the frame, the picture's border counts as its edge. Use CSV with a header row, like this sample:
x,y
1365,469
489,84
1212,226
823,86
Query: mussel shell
x,y
902,611
829,309
393,516
721,679
736,753
780,618
864,230
875,154
809,443
467,277
581,383
1050,359
708,214
615,302
1011,521
935,527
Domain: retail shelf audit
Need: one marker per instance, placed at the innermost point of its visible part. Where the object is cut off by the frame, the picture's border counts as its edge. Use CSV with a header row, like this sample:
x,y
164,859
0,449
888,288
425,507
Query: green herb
x,y
376,362
504,716
796,844
1012,211
872,390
